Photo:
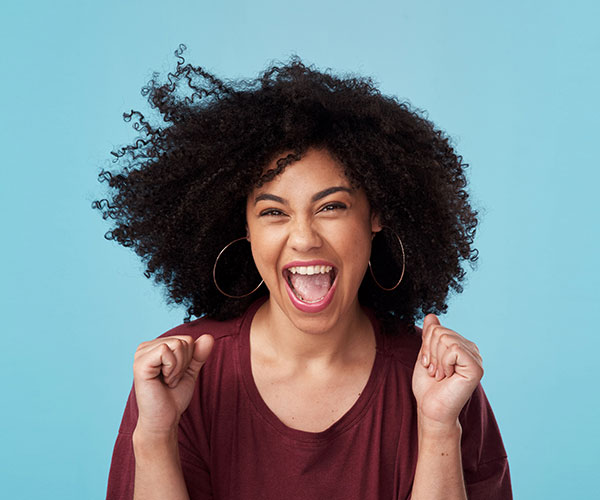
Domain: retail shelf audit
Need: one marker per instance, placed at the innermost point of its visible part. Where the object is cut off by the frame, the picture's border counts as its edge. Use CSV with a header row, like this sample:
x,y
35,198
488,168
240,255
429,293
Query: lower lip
x,y
313,307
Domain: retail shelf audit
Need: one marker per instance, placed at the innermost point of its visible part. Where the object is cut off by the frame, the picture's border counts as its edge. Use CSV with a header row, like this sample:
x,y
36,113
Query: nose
x,y
303,236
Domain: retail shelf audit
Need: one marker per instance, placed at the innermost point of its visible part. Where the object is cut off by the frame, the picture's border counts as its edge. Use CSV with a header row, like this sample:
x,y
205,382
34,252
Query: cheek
x,y
354,244
265,252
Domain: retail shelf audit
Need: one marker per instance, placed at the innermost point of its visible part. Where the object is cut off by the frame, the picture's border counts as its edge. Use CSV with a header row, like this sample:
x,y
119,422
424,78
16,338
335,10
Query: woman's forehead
x,y
316,169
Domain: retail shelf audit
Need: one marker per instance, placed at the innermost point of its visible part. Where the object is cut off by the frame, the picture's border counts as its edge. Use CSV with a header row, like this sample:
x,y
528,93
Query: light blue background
x,y
515,83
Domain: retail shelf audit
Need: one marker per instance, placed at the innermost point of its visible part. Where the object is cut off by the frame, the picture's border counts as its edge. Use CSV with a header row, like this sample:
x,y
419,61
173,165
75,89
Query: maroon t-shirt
x,y
232,446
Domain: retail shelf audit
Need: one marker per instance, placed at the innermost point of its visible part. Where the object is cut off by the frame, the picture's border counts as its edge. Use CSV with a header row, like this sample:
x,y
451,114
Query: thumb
x,y
202,349
430,319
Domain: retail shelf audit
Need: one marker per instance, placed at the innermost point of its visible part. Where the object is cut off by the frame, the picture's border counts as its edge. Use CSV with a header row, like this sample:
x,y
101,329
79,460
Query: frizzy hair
x,y
178,193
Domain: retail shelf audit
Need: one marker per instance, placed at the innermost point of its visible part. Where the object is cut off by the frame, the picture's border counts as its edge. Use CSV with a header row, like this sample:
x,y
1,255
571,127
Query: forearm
x,y
439,473
158,472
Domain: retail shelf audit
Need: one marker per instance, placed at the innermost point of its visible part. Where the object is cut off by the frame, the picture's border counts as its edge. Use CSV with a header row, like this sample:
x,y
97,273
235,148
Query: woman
x,y
305,376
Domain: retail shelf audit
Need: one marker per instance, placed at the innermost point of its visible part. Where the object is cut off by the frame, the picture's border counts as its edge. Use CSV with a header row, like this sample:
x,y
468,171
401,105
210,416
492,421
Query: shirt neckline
x,y
346,421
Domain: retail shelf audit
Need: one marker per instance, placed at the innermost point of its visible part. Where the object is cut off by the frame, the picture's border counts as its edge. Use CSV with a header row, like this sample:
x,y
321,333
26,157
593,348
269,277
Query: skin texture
x,y
337,228
304,352
310,367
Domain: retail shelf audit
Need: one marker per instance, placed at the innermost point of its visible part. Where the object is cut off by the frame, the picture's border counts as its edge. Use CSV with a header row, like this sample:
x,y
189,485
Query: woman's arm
x,y
157,469
446,373
165,373
439,473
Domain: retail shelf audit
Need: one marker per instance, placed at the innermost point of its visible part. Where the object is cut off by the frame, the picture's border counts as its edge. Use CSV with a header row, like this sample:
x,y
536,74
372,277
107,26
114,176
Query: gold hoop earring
x,y
403,264
215,273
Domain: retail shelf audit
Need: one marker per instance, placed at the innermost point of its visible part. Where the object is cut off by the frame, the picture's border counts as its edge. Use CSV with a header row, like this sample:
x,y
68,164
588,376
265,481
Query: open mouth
x,y
310,284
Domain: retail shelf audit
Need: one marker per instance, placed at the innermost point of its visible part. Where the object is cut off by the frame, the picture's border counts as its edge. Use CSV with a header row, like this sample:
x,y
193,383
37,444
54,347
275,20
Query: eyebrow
x,y
316,197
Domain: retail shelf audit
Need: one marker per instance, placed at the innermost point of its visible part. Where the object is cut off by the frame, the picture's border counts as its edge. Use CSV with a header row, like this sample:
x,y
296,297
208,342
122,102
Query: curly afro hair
x,y
179,194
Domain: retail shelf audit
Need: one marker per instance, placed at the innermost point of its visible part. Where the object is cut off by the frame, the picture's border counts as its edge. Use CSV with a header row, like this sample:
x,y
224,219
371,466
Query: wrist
x,y
158,472
437,430
150,442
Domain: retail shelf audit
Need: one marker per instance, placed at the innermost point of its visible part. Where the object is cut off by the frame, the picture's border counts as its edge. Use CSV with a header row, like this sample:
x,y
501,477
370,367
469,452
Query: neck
x,y
275,335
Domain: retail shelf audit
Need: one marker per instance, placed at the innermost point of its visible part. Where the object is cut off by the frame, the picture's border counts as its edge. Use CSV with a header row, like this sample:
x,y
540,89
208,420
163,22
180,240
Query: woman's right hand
x,y
165,371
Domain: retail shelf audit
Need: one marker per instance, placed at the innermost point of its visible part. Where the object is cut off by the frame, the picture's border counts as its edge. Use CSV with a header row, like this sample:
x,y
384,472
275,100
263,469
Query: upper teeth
x,y
309,269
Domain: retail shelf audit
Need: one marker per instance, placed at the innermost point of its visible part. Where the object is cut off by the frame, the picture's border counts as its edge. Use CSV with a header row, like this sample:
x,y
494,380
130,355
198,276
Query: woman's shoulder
x,y
198,327
401,344
217,328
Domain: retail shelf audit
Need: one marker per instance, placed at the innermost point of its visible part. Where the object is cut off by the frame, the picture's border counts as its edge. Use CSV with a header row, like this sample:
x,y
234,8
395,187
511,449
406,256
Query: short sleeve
x,y
485,465
122,469
193,446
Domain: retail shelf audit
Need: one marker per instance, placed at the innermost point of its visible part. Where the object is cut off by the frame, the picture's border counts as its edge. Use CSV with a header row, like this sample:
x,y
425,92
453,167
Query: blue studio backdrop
x,y
515,83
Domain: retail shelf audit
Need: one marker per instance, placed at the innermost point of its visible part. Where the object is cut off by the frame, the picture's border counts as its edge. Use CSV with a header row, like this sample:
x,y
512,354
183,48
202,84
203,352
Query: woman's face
x,y
311,232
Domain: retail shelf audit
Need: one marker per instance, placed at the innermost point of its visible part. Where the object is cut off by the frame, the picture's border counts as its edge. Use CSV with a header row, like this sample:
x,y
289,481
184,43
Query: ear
x,y
375,224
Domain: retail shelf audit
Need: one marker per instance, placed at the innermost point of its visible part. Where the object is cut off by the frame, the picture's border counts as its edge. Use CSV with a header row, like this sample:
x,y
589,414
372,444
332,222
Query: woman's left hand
x,y
446,373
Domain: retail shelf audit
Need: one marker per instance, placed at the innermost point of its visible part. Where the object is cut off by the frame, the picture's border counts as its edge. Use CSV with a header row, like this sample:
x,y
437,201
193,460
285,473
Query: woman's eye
x,y
271,212
333,206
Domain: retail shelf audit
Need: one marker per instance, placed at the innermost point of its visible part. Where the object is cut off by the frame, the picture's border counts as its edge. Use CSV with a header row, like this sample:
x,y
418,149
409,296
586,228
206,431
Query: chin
x,y
314,324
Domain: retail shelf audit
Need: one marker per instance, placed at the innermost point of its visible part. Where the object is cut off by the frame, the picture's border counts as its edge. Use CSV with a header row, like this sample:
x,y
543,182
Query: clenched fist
x,y
164,374
446,373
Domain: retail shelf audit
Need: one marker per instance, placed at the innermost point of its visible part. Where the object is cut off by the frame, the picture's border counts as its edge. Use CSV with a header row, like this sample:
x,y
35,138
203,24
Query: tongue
x,y
311,288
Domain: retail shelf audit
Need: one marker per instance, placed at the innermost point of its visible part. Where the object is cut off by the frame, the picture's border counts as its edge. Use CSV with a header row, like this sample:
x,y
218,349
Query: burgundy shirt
x,y
232,446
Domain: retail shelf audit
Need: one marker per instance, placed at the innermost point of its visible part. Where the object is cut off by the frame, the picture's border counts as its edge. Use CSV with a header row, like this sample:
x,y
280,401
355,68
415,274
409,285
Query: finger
x,y
429,322
464,362
183,353
435,350
473,349
171,364
449,340
155,362
430,319
170,341
168,370
180,345
468,347
442,339
447,355
202,349
438,349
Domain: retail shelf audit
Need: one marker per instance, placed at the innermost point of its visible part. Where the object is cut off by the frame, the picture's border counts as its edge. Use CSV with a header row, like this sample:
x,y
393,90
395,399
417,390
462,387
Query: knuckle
x,y
445,337
454,346
183,343
180,339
